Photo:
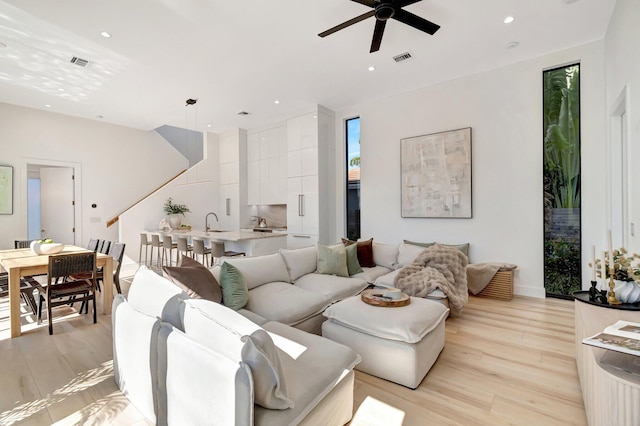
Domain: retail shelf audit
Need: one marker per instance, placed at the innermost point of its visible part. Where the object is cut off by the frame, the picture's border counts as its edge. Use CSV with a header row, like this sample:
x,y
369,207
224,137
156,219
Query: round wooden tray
x,y
374,297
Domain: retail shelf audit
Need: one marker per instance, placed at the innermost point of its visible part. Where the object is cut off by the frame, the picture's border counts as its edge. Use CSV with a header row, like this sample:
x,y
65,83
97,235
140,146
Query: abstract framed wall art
x,y
436,175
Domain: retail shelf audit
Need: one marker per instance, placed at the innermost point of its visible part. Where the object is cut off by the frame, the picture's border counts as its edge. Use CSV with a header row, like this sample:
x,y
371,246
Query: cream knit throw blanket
x,y
437,267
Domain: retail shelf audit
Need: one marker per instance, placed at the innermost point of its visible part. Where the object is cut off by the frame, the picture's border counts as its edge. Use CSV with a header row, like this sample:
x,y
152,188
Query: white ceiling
x,y
244,54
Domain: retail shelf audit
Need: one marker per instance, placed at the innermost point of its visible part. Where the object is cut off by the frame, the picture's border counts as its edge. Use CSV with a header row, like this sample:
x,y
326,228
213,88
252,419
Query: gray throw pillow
x,y
235,294
196,280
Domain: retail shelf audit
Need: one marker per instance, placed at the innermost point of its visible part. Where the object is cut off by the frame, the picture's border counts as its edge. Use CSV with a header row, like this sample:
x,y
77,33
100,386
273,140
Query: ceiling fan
x,y
384,10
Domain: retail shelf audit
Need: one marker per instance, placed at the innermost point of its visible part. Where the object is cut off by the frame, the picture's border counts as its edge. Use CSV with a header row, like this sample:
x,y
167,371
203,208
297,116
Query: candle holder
x,y
612,294
596,295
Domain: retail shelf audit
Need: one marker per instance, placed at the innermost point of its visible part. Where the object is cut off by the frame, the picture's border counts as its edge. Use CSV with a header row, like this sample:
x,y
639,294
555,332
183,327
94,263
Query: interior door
x,y
57,204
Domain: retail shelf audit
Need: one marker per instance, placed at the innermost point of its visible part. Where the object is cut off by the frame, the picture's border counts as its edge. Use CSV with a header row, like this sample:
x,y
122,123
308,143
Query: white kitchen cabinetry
x,y
310,203
267,166
233,176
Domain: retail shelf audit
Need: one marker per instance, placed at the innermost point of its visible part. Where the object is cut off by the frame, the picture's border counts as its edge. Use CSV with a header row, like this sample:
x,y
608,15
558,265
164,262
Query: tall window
x,y
561,174
353,178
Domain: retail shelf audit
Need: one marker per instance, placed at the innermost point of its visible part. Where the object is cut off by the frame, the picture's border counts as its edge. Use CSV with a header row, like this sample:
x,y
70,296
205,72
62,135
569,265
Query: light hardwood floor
x,y
503,363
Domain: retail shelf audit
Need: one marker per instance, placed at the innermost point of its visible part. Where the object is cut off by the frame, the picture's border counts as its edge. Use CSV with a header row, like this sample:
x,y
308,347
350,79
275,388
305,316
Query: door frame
x,y
77,189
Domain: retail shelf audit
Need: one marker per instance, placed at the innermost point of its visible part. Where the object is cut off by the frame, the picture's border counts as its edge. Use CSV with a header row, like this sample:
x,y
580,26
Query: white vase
x,y
175,221
627,291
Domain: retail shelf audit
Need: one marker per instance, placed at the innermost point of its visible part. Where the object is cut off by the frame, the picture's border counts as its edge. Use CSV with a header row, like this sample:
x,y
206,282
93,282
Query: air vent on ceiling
x,y
84,63
402,57
244,113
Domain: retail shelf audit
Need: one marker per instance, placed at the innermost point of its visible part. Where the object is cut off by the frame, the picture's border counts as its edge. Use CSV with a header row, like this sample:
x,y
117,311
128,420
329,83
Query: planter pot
x,y
175,221
627,291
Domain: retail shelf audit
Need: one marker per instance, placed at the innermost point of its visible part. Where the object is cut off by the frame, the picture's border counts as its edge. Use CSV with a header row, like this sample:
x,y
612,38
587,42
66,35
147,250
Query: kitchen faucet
x,y
206,220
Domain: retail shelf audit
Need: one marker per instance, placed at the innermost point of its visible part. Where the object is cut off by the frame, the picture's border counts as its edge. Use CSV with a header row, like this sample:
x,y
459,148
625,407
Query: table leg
x,y
14,302
107,291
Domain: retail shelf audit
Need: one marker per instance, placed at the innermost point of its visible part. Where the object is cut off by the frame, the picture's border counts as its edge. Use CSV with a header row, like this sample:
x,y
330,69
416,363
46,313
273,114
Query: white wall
x,y
504,109
118,166
623,70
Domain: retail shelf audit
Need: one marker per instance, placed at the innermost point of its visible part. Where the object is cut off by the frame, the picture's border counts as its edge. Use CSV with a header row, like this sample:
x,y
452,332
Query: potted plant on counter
x,y
173,210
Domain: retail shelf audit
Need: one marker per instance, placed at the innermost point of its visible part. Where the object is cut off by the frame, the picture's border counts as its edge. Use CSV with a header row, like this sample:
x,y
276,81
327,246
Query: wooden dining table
x,y
24,262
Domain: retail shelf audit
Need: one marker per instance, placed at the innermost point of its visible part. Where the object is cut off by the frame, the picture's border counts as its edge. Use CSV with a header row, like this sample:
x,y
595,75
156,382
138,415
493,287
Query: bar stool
x,y
200,249
168,244
144,242
184,247
218,251
156,243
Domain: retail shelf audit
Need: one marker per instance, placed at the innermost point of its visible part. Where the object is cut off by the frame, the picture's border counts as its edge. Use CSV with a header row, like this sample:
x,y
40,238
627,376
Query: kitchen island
x,y
248,242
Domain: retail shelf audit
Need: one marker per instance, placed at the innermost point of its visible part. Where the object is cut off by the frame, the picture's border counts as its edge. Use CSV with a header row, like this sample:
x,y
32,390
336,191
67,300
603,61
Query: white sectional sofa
x,y
183,361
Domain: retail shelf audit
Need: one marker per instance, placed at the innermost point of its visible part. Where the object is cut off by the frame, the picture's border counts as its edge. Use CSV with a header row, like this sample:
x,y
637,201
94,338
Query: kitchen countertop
x,y
222,235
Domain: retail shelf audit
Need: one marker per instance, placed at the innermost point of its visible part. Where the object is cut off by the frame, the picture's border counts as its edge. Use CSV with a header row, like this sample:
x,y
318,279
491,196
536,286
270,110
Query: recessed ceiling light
x,y
509,19
276,102
513,45
208,125
105,34
2,45
371,68
47,106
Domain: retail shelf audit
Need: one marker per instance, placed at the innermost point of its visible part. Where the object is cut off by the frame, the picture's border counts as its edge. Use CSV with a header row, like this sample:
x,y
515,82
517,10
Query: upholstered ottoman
x,y
399,344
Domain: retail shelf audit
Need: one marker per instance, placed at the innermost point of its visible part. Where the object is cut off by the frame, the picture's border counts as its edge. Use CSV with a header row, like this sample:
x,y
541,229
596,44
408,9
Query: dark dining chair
x,y
93,244
27,285
20,244
61,285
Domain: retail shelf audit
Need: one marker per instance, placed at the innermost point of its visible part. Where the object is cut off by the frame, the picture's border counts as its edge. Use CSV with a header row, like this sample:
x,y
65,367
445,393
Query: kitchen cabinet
x,y
232,194
266,163
302,205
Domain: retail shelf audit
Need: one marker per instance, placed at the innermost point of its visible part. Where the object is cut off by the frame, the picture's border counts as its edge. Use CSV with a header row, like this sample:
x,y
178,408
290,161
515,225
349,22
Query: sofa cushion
x,y
311,373
300,261
365,251
332,287
200,386
233,335
409,323
156,296
196,280
252,316
261,269
286,303
371,274
234,288
385,255
353,266
135,358
332,260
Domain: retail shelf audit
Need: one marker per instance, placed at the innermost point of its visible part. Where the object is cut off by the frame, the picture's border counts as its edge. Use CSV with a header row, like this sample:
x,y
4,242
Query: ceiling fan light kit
x,y
383,10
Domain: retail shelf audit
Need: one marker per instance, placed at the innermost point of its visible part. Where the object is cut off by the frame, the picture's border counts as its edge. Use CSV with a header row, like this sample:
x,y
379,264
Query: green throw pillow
x,y
413,243
353,266
235,294
332,260
464,248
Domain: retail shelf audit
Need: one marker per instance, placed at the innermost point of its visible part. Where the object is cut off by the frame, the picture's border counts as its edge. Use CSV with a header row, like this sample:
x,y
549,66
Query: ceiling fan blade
x,y
404,3
348,23
416,22
370,3
377,36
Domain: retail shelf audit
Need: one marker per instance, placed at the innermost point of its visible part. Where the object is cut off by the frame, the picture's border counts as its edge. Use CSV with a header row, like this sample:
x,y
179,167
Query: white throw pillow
x,y
407,253
226,331
385,255
300,261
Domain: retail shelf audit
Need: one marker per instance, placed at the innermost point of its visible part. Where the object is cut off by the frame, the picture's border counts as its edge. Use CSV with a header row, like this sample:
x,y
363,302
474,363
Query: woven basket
x,y
500,287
